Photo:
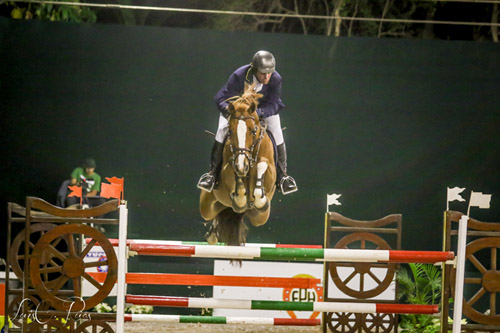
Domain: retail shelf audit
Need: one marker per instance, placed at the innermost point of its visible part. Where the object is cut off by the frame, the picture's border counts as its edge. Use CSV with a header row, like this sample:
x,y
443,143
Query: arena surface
x,y
136,327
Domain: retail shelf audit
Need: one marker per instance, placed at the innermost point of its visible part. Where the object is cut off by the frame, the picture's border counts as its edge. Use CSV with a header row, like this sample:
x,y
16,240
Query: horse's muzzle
x,y
241,165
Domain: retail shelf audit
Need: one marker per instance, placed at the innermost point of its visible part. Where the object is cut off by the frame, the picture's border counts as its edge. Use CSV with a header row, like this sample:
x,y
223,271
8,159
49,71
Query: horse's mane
x,y
248,97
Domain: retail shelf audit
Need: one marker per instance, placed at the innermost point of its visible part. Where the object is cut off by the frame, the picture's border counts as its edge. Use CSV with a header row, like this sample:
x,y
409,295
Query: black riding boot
x,y
285,183
207,180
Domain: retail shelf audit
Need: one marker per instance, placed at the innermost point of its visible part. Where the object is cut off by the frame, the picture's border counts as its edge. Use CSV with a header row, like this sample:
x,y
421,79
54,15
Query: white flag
x,y
331,199
454,194
478,199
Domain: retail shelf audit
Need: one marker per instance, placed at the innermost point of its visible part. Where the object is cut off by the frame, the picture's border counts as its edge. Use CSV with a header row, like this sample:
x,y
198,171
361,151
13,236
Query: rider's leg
x,y
285,182
207,180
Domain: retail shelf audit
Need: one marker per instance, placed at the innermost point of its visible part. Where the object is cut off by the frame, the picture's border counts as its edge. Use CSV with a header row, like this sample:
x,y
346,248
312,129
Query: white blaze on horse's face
x,y
241,134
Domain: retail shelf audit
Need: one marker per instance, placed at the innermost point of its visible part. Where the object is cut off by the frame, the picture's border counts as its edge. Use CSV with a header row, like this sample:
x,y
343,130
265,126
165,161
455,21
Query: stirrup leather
x,y
291,185
206,182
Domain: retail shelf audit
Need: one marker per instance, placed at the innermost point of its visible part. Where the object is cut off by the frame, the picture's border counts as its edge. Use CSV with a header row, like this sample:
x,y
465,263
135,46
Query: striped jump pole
x,y
160,243
222,320
213,280
291,254
214,303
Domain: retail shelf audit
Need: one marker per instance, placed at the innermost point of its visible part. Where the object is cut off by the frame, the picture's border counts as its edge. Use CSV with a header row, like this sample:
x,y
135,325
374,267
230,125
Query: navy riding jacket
x,y
269,105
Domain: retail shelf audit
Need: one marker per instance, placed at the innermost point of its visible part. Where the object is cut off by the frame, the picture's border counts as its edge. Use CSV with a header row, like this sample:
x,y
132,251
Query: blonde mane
x,y
248,97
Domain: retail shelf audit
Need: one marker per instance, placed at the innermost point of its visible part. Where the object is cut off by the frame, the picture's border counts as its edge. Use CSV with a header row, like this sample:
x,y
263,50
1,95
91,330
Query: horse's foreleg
x,y
260,199
209,206
239,196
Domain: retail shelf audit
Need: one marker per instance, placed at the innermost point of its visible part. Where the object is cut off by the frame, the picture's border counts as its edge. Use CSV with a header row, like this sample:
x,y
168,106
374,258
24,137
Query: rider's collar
x,y
258,85
249,75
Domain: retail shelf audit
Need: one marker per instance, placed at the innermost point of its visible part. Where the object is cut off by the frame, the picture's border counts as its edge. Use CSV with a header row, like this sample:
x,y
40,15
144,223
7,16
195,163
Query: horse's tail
x,y
231,229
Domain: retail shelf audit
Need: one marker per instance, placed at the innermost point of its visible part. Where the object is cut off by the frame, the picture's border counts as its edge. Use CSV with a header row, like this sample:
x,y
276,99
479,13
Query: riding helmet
x,y
263,61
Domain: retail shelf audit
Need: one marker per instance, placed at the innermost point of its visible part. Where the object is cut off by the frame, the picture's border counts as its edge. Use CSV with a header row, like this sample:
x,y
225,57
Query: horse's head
x,y
244,130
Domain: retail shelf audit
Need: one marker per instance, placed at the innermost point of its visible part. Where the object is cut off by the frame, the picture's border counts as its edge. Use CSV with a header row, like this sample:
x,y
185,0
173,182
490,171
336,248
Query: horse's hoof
x,y
262,208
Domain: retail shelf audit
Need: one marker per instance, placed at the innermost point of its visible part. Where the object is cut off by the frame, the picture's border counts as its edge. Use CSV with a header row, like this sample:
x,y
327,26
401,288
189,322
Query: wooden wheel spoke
x,y
45,275
493,258
473,280
54,269
96,263
77,287
477,264
362,282
71,245
59,284
493,302
349,278
53,263
374,277
56,241
476,296
92,280
87,249
56,252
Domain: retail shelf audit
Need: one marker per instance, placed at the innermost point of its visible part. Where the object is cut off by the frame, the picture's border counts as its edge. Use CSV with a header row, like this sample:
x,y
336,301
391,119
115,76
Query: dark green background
x,y
387,123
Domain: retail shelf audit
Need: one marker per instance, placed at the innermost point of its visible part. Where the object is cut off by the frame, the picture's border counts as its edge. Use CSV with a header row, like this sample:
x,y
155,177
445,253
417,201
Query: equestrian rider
x,y
260,71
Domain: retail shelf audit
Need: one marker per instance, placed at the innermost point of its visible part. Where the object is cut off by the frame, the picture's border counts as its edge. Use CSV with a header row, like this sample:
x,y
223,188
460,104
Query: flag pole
x,y
468,208
447,198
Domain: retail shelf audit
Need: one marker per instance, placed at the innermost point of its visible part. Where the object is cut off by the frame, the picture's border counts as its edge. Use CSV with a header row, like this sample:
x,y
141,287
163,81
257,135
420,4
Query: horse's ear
x,y
252,108
230,107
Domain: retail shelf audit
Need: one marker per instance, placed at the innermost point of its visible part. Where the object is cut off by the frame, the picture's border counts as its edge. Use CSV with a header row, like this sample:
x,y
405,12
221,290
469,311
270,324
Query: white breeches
x,y
273,125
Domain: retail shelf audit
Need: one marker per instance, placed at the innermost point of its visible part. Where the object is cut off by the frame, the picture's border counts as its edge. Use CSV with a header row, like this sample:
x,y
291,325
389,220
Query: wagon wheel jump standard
x,y
69,266
17,255
362,270
483,259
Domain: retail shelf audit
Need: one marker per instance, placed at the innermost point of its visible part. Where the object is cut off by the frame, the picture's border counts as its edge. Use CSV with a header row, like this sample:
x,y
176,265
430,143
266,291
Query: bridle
x,y
252,152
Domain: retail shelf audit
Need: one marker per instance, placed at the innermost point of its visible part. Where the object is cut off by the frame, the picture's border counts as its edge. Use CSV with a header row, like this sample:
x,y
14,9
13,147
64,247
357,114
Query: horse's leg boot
x,y
286,183
207,180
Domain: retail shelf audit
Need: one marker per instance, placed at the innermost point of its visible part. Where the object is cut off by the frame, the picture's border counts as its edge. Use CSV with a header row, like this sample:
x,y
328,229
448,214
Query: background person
x,y
85,177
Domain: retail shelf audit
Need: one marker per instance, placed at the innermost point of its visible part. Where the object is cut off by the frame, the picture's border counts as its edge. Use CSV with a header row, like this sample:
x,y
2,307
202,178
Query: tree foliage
x,y
50,12
417,19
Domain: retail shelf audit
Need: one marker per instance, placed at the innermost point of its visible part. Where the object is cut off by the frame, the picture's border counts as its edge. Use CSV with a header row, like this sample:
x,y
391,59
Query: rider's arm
x,y
230,89
271,103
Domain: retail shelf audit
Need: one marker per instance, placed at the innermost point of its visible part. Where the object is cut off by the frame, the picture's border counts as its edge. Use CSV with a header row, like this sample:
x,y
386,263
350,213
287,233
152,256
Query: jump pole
x,y
213,280
160,243
122,267
215,303
223,320
291,254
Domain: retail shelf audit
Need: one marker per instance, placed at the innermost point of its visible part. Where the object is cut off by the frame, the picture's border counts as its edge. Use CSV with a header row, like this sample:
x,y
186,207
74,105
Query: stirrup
x,y
288,185
206,182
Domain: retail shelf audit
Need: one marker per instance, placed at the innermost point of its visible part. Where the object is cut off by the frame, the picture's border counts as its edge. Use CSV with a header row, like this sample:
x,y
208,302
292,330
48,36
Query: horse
x,y
247,176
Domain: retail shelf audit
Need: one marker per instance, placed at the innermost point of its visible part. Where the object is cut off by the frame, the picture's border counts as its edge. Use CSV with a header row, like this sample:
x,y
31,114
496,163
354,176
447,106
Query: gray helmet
x,y
263,61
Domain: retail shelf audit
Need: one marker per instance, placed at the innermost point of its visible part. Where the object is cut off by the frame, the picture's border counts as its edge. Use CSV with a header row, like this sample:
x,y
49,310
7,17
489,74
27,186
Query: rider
x,y
260,71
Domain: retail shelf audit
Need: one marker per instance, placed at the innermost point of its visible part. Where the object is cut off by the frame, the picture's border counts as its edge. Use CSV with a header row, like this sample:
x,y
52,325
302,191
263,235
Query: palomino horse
x,y
247,178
